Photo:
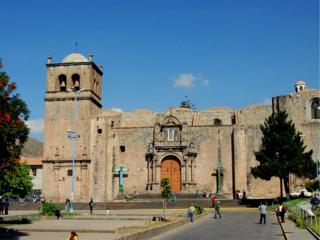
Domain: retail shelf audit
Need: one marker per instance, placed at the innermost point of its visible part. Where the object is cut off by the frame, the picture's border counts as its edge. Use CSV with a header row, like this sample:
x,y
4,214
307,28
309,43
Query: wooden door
x,y
170,168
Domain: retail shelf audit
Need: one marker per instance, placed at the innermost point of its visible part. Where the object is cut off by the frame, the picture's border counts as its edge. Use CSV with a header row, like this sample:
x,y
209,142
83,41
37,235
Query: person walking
x,y
263,212
67,205
281,211
217,209
1,206
213,200
190,213
73,236
174,197
197,193
91,205
6,206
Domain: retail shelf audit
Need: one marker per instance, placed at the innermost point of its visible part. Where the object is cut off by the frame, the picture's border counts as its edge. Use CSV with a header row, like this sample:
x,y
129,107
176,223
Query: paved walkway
x,y
294,233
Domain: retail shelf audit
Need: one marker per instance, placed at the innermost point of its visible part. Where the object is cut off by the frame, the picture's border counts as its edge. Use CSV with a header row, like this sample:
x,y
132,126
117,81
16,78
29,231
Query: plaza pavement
x,y
242,221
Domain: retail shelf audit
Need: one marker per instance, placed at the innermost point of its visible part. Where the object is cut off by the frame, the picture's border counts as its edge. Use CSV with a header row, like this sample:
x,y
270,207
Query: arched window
x,y
170,132
315,108
63,82
217,122
76,81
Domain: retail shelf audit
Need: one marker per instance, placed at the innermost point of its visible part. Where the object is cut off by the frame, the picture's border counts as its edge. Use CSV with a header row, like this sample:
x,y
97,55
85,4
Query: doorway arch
x,y
171,169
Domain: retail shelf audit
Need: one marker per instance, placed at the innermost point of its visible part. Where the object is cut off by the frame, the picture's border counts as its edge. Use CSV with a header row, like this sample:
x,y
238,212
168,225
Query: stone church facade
x,y
209,150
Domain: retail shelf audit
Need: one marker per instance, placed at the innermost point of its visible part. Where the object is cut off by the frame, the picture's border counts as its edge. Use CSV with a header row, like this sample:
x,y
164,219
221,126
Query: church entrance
x,y
170,168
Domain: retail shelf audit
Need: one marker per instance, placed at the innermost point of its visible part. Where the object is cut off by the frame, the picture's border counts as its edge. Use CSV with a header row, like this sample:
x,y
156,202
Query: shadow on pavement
x,y
15,221
11,234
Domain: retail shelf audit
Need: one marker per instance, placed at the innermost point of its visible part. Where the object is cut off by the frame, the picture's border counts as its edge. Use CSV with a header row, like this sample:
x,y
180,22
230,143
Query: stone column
x,y
191,169
186,159
149,169
154,170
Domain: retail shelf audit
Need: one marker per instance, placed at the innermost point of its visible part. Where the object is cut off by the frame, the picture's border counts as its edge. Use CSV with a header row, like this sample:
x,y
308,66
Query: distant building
x,y
207,150
35,164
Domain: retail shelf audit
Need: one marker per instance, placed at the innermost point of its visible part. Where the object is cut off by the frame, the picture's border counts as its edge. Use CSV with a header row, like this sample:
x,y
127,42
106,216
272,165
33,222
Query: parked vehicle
x,y
301,193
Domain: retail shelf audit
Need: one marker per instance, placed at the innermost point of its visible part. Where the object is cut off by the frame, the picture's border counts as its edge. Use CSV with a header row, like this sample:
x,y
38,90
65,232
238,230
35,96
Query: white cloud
x,y
185,80
36,125
205,82
117,109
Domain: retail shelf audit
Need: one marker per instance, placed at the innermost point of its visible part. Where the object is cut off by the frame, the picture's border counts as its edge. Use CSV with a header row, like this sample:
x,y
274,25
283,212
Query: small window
x,y
99,130
122,148
170,134
112,124
217,122
69,172
34,171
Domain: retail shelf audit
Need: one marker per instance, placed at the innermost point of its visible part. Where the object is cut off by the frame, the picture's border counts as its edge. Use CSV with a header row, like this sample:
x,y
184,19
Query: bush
x,y
48,209
293,216
312,186
199,209
299,222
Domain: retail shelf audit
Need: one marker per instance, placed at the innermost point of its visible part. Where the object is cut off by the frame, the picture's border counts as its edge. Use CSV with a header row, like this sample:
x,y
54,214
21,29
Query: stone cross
x,y
121,170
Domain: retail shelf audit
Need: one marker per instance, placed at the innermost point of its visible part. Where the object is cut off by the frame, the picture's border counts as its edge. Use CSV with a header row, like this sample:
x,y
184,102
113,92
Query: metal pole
x,y
73,149
318,176
73,136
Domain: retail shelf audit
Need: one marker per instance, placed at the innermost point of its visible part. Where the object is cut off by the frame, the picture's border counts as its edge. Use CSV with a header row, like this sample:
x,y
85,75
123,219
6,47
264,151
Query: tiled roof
x,y
31,161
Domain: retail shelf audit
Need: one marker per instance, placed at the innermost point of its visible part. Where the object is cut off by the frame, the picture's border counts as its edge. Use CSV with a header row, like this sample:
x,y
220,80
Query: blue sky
x,y
229,53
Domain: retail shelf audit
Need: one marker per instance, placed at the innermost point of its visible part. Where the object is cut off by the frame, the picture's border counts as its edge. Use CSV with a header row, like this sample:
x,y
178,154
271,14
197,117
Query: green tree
x,y
166,188
166,194
13,135
186,103
282,152
17,183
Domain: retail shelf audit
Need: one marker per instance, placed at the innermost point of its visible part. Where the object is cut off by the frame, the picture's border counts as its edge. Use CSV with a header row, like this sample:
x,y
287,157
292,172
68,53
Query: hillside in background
x,y
32,148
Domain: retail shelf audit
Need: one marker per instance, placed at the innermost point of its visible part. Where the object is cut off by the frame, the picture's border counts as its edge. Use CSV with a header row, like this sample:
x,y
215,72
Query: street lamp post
x,y
318,166
73,136
318,177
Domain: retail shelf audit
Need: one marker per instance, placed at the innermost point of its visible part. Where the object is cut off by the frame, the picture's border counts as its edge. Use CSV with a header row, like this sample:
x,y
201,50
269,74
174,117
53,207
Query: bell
x,y
76,83
62,83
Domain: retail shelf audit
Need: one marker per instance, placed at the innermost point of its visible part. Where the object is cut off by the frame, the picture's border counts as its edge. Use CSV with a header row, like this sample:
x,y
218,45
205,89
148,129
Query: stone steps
x,y
133,204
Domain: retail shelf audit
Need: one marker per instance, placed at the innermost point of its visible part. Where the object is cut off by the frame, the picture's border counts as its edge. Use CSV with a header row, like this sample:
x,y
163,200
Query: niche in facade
x,y
171,129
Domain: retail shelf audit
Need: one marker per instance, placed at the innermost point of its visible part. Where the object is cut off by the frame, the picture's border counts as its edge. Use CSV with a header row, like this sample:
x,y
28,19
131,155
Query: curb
x,y
111,218
8,230
313,233
282,229
146,234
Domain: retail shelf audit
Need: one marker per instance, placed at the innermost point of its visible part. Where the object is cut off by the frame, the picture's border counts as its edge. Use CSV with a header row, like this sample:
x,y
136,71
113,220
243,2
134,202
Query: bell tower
x,y
72,99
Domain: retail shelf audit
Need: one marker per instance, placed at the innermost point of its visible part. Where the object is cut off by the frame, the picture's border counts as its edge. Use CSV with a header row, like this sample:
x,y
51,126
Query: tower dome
x,y
74,57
